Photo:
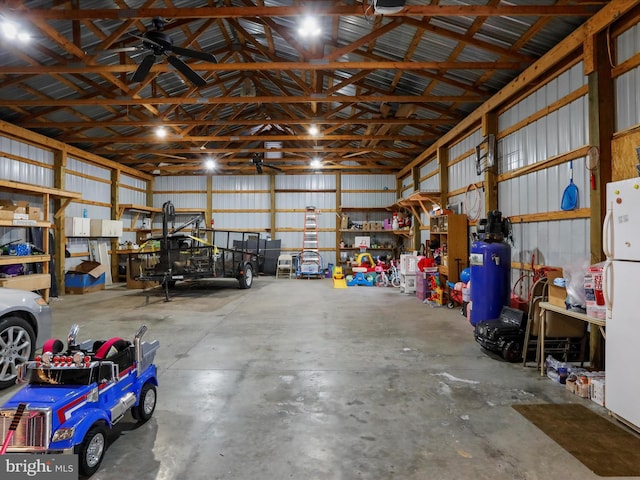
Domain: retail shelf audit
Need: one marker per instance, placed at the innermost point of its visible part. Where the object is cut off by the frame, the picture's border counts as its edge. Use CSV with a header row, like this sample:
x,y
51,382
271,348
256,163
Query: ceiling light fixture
x,y
309,28
161,132
210,164
11,32
313,130
387,7
316,163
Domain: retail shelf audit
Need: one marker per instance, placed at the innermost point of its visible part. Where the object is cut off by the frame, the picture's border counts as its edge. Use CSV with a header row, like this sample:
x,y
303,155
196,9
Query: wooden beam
x,y
304,10
605,16
268,66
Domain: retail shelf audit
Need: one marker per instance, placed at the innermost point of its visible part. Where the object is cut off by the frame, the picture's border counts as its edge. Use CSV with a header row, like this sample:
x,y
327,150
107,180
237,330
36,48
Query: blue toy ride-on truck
x,y
75,395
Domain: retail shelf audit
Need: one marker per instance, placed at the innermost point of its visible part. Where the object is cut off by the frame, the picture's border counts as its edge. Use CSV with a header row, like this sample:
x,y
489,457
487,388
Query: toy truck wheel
x,y
147,403
246,278
92,448
17,345
512,351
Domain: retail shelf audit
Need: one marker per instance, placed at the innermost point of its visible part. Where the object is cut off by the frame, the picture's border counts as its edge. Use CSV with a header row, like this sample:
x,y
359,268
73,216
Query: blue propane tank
x,y
490,262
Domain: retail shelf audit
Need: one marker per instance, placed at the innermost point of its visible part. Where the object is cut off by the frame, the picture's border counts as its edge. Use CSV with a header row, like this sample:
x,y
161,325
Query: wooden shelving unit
x,y
385,237
40,281
451,231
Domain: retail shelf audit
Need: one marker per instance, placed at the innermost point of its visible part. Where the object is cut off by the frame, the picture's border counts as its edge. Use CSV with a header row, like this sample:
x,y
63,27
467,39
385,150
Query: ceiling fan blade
x,y
186,70
143,69
122,49
278,169
147,40
259,167
187,52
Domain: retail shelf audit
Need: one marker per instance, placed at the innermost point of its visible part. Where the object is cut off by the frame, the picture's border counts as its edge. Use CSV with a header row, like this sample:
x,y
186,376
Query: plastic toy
x,y
359,278
338,278
74,396
366,260
465,275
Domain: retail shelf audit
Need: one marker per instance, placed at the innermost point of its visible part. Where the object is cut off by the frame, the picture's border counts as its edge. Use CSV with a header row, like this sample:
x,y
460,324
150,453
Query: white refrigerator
x,y
620,279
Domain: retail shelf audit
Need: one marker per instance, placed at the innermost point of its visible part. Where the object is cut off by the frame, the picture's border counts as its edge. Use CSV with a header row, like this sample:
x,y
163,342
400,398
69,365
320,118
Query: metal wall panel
x,y
431,184
242,221
627,44
552,135
240,183
92,190
627,91
11,169
128,196
429,167
245,201
301,200
17,171
368,182
378,199
306,182
196,201
134,182
85,168
180,182
462,173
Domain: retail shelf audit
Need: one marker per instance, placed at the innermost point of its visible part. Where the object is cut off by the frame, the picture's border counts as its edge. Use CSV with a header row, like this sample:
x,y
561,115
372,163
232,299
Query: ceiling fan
x,y
160,43
258,161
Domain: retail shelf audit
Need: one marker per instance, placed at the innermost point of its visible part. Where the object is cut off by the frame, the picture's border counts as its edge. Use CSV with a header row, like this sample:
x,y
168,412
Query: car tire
x,y
91,450
512,351
246,279
147,403
18,345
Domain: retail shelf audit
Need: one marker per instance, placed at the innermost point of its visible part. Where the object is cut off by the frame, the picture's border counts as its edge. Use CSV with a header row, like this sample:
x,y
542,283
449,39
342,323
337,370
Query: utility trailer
x,y
201,253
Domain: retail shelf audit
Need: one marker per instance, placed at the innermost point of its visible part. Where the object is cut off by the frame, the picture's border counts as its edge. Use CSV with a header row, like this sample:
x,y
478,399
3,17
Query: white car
x,y
25,323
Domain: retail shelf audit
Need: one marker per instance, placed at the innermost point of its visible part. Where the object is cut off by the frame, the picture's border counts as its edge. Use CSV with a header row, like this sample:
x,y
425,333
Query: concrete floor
x,y
295,379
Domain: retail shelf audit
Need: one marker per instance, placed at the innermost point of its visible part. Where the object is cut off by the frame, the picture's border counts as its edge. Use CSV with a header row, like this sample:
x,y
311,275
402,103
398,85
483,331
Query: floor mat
x,y
600,444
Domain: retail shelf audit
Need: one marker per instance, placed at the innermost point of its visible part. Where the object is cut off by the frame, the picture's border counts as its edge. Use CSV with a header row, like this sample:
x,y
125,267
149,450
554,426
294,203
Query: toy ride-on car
x,y
73,397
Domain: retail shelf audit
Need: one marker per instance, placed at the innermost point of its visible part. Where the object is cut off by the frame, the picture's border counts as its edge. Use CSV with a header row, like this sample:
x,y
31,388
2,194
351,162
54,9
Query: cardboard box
x,y
557,295
35,213
17,206
134,270
87,274
597,389
13,210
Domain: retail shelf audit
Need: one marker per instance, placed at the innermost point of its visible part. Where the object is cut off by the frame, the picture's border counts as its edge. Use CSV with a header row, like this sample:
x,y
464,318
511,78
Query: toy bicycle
x,y
387,276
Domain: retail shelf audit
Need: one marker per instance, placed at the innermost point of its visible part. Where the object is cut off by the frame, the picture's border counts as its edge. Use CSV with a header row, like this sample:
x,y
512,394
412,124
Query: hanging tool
x,y
570,194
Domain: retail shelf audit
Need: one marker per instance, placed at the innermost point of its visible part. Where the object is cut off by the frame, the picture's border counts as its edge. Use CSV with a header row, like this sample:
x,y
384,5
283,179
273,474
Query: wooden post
x,y
59,172
601,119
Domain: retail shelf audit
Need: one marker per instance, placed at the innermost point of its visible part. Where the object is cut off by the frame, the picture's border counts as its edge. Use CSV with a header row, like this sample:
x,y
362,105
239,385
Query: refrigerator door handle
x,y
606,234
607,286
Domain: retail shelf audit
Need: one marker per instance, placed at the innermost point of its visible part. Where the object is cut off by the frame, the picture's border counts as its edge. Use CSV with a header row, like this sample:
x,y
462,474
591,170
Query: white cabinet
x,y
77,227
106,228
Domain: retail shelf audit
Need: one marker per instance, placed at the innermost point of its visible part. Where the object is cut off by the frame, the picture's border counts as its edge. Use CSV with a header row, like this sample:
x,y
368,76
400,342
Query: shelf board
x,y
17,259
36,189
364,209
139,208
367,249
24,223
366,231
